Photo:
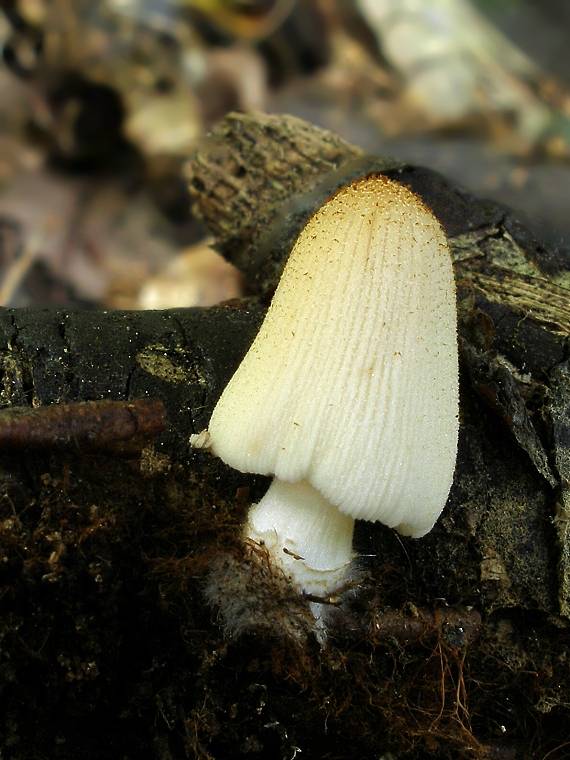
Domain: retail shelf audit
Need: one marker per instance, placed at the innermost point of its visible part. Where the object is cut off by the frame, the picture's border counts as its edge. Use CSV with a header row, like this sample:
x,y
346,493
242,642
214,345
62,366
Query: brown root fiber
x,y
135,622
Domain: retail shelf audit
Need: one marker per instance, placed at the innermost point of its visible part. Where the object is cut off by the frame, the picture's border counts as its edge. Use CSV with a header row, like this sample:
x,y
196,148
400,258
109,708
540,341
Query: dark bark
x,y
135,620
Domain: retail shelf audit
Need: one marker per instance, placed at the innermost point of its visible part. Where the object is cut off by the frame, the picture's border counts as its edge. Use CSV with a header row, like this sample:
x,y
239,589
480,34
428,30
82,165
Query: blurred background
x,y
101,104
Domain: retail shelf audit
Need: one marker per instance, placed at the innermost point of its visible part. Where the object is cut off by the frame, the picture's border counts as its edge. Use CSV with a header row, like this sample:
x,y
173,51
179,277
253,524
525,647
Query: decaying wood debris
x,y
134,621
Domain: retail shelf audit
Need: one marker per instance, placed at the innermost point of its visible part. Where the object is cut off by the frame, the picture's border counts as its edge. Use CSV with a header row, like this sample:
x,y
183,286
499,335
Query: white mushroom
x,y
348,395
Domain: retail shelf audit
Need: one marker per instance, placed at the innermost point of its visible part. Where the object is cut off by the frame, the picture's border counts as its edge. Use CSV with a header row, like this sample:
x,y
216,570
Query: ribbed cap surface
x,y
352,381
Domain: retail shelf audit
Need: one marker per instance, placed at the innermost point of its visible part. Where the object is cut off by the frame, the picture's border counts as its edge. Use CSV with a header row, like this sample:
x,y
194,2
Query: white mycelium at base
x,y
351,384
306,536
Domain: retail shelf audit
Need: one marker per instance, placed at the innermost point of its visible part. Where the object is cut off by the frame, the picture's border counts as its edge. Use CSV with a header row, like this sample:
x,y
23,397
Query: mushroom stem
x,y
308,537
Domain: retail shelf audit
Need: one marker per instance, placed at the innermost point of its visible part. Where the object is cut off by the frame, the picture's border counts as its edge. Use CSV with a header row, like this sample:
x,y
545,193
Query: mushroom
x,y
348,395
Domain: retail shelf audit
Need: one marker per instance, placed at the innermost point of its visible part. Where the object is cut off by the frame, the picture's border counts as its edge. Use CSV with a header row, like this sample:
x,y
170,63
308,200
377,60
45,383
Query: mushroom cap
x,y
352,380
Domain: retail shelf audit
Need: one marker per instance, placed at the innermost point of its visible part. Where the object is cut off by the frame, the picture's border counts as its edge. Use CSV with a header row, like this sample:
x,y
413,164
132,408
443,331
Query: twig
x,y
89,424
